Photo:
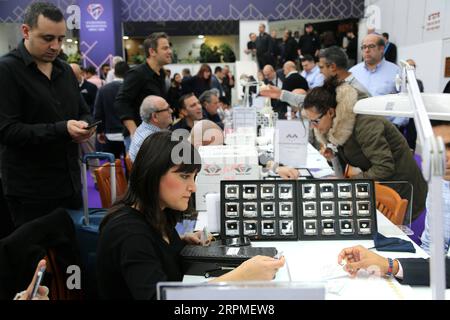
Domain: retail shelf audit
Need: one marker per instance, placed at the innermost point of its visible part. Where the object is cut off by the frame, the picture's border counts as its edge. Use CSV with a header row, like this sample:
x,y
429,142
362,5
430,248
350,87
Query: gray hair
x,y
148,108
335,55
207,95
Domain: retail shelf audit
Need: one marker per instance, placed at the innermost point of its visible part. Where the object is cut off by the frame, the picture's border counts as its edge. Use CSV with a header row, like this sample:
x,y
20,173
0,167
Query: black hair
x,y
91,70
217,69
183,98
322,98
120,69
48,10
154,159
224,100
386,35
308,57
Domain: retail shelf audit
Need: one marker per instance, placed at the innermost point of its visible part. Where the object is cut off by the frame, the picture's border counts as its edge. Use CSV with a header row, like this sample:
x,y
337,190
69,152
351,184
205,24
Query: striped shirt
x,y
143,131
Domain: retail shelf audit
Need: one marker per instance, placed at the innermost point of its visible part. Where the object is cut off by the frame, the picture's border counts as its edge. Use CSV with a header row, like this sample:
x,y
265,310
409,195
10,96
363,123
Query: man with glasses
x,y
376,74
156,115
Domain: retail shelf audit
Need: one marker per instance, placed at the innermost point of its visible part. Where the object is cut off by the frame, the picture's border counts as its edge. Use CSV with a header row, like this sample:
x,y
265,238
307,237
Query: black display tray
x,y
277,210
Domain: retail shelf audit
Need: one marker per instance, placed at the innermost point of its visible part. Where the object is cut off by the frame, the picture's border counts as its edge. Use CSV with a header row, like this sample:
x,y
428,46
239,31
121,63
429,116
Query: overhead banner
x,y
100,31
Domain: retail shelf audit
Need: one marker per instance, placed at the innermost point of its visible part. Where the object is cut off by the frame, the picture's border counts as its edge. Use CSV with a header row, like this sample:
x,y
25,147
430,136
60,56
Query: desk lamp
x,y
422,107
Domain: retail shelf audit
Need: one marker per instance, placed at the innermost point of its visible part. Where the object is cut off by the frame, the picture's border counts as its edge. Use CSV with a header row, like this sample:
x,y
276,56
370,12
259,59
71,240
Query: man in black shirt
x,y
43,118
191,109
144,80
309,43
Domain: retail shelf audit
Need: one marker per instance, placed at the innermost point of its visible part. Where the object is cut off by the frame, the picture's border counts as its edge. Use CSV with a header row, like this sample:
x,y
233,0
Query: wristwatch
x,y
390,267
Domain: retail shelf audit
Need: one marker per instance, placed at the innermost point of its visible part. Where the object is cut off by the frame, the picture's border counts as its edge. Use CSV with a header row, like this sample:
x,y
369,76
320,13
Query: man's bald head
x,y
289,66
269,72
373,49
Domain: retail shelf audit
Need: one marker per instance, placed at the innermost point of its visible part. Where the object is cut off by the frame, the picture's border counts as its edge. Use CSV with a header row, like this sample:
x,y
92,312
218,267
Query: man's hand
x,y
270,91
78,131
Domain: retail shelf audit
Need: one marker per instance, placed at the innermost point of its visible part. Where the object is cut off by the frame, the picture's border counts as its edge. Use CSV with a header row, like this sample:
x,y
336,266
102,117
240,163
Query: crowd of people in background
x,y
49,107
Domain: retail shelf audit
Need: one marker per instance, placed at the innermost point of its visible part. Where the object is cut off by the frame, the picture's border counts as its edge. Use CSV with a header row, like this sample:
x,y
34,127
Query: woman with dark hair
x,y
138,245
174,94
199,83
370,143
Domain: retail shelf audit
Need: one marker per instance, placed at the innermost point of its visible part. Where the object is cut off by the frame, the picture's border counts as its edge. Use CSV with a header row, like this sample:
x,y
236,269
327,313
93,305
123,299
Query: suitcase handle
x,y
97,155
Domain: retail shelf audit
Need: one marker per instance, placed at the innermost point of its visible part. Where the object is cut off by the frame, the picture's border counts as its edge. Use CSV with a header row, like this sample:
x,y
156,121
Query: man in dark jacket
x,y
264,49
390,50
88,89
289,47
309,42
147,79
43,118
104,111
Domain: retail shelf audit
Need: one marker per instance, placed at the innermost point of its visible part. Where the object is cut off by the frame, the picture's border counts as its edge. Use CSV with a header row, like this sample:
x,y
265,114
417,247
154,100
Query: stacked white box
x,y
234,162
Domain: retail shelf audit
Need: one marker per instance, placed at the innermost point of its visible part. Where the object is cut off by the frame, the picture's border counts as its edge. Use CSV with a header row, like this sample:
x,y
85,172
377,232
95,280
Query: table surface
x,y
311,261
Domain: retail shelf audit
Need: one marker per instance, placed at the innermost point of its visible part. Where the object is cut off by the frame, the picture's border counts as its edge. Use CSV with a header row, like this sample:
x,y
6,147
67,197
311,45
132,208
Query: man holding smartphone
x,y
43,119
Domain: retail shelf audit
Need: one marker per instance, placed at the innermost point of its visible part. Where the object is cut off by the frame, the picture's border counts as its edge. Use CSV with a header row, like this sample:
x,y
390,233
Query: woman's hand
x,y
42,293
196,238
256,268
327,153
259,268
287,173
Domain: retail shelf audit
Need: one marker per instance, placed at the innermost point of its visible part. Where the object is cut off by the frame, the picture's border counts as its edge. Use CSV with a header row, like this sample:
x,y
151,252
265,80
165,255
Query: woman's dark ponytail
x,y
322,98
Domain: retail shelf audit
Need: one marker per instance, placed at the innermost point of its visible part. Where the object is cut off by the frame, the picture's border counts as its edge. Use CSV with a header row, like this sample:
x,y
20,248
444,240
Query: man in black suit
x,y
264,49
88,89
104,111
290,47
390,49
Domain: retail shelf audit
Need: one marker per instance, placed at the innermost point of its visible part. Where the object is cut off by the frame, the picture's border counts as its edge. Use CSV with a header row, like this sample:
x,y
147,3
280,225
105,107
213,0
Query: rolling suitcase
x,y
87,223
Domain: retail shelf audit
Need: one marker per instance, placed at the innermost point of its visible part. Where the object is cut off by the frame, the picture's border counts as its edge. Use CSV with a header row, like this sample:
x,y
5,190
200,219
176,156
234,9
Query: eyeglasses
x,y
162,110
370,46
317,120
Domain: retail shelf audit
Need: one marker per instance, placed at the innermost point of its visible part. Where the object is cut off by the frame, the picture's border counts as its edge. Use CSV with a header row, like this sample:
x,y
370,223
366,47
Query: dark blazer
x,y
295,81
89,92
391,53
290,50
21,251
39,159
416,271
104,108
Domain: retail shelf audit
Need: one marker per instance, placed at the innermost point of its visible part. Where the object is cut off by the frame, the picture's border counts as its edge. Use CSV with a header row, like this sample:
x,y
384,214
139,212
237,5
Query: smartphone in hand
x,y
37,283
94,124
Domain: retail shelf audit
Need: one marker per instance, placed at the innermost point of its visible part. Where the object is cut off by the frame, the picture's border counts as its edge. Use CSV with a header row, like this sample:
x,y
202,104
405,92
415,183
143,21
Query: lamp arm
x,y
433,162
